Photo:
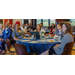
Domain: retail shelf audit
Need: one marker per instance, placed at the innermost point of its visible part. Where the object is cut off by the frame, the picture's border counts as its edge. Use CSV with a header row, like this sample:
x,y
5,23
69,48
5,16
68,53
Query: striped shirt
x,y
17,34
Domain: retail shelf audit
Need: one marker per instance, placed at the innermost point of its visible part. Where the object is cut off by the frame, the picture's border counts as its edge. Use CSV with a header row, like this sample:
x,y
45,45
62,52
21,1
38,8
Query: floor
x,y
46,53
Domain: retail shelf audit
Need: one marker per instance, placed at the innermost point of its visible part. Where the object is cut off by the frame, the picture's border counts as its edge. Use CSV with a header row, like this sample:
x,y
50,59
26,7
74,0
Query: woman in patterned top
x,y
18,34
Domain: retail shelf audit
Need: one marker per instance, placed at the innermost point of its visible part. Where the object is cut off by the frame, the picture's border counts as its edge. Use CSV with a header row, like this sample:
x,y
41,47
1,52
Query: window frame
x,y
48,22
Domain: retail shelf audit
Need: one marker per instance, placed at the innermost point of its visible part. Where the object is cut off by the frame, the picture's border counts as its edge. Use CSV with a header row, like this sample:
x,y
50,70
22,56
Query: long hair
x,y
39,25
69,29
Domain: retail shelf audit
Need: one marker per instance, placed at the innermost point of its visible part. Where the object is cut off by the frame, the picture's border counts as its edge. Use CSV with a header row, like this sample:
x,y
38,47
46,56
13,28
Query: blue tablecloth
x,y
38,46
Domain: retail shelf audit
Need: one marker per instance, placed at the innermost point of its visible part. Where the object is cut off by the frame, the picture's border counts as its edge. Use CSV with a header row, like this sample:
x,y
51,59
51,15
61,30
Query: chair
x,y
10,48
68,49
20,49
74,44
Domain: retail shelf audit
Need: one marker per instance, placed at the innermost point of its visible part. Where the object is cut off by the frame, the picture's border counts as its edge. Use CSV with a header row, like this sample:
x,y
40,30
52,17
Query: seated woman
x,y
68,37
38,28
59,31
52,29
18,34
7,34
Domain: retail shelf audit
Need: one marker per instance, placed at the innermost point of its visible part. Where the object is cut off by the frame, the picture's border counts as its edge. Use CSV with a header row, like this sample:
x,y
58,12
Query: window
x,y
38,21
72,22
52,21
29,21
45,22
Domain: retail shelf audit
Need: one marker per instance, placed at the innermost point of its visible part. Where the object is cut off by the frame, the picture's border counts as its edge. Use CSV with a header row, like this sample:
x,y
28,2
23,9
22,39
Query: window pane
x,y
28,20
52,21
72,22
38,21
45,22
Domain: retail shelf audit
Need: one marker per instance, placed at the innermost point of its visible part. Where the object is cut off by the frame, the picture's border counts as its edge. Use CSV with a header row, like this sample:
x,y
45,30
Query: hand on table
x,y
57,45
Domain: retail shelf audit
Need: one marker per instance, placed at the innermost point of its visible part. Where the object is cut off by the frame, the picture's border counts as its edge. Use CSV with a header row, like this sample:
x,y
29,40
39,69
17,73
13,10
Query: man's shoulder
x,y
9,29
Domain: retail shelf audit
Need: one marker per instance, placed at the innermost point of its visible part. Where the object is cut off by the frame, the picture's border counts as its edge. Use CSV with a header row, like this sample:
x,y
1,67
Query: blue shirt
x,y
7,34
58,33
19,35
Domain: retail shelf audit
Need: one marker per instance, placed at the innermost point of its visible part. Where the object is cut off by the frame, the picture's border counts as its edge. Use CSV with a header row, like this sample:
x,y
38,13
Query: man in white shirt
x,y
23,28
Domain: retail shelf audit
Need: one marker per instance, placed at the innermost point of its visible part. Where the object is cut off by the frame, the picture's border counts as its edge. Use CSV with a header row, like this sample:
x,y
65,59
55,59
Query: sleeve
x,y
55,32
66,39
23,33
14,34
27,27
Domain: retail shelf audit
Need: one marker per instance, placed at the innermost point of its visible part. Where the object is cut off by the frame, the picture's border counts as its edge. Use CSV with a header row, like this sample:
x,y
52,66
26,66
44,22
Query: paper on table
x,y
24,40
33,41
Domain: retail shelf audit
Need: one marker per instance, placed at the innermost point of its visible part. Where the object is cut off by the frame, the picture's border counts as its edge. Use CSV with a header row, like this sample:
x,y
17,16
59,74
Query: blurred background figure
x,y
26,25
29,28
52,28
1,29
10,26
13,27
59,31
41,24
23,28
38,28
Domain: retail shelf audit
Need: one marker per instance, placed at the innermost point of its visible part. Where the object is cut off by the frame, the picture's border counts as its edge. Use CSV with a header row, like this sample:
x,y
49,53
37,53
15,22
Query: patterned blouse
x,y
19,35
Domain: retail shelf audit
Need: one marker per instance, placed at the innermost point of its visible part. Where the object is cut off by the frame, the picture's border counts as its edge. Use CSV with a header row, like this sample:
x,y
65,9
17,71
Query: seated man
x,y
7,34
26,25
18,34
29,28
23,28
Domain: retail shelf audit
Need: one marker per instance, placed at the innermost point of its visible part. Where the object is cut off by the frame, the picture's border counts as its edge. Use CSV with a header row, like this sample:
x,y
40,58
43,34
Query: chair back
x,y
74,39
8,44
68,49
20,49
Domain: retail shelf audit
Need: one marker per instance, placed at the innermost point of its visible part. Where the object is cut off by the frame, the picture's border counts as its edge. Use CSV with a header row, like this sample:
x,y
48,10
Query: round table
x,y
38,46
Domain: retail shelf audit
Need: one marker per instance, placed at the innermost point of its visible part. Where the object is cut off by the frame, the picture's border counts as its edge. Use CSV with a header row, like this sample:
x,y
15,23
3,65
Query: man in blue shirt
x,y
7,34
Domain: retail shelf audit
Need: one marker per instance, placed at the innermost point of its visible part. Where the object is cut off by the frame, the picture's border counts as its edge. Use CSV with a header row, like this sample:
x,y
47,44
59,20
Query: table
x,y
38,46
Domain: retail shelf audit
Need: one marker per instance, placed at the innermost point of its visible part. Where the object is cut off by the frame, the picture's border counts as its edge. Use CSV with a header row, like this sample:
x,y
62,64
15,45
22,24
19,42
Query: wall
x,y
20,20
60,20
